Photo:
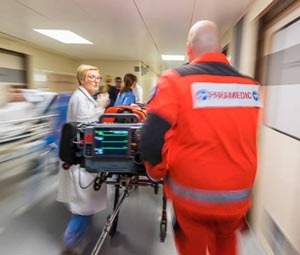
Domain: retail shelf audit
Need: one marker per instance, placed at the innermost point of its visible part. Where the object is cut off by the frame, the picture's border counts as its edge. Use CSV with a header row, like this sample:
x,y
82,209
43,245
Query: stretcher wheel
x,y
156,187
163,220
163,230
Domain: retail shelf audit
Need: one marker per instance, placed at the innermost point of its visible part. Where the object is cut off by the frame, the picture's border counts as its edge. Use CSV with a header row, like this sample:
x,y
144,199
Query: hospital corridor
x,y
110,110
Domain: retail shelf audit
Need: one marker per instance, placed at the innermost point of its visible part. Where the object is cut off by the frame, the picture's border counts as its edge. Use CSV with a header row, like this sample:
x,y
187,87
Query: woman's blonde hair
x,y
82,71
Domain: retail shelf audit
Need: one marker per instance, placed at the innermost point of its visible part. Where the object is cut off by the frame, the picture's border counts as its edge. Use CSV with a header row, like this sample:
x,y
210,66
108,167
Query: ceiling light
x,y
173,57
64,36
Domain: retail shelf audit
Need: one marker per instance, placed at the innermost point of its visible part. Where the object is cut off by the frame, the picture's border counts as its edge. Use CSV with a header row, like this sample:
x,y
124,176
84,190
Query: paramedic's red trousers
x,y
196,234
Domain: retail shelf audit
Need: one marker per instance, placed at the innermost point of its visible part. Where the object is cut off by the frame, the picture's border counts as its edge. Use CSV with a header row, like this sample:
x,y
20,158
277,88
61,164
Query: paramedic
x,y
74,189
200,137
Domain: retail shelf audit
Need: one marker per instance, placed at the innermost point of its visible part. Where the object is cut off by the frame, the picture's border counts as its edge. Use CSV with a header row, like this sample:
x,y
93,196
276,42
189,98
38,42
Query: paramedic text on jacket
x,y
200,137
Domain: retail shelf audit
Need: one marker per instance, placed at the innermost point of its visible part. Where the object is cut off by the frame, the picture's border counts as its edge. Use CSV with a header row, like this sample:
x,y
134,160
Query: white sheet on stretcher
x,y
15,117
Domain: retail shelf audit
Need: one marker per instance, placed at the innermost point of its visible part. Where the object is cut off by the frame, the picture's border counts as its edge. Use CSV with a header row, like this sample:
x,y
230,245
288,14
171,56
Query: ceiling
x,y
119,29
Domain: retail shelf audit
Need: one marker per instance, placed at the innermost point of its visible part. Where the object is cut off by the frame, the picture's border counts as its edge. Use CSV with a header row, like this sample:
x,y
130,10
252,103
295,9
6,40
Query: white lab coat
x,y
138,92
82,108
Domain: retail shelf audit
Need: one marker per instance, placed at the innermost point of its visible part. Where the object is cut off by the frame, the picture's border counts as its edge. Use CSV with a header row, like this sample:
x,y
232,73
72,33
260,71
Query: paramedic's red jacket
x,y
200,135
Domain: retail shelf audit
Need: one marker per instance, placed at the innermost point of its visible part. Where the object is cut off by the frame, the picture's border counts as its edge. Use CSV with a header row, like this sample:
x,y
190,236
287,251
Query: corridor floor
x,y
38,229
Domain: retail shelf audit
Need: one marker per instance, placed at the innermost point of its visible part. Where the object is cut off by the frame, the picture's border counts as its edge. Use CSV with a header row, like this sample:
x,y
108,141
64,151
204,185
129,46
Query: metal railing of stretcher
x,y
24,136
126,181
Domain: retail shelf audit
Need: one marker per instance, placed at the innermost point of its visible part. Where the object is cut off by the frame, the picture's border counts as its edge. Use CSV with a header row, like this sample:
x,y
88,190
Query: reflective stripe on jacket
x,y
198,196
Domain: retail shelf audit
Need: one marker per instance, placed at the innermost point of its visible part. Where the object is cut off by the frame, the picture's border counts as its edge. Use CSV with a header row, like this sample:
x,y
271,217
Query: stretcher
x,y
25,137
32,129
111,151
124,185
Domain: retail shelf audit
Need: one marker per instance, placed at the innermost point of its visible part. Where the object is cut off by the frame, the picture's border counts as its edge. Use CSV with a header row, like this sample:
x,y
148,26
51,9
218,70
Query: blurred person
x,y
200,137
138,93
108,80
112,90
16,94
118,82
116,89
74,184
19,106
14,108
126,96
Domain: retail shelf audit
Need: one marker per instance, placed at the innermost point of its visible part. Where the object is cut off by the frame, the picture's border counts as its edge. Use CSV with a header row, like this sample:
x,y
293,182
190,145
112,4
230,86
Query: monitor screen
x,y
111,142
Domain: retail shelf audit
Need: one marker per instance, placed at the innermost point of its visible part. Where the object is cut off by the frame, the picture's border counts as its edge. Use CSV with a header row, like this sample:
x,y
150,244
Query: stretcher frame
x,y
127,182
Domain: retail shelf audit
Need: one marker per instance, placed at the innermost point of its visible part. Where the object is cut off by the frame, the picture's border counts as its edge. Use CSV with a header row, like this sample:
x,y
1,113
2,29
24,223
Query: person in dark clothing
x,y
112,90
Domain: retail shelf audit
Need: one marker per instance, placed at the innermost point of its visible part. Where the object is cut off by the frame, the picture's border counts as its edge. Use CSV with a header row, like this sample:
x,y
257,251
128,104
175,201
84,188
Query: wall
x,y
250,35
38,59
274,215
148,81
228,40
51,71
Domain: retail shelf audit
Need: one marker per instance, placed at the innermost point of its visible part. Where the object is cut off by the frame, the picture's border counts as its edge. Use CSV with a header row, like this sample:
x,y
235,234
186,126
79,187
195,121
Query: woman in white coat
x,y
75,185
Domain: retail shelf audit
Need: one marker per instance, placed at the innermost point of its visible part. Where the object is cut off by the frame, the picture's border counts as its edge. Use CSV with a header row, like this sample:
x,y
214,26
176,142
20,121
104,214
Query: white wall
x,y
250,35
277,192
227,40
38,59
55,72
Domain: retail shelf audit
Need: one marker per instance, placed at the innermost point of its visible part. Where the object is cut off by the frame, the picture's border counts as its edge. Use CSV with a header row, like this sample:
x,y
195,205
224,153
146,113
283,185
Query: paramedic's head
x,y
203,37
89,77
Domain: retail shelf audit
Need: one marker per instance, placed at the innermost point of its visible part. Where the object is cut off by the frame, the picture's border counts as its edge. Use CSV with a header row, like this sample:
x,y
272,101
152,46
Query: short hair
x,y
82,71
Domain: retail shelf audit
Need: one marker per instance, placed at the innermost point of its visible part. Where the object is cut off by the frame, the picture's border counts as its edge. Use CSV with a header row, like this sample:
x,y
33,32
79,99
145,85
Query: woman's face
x,y
91,82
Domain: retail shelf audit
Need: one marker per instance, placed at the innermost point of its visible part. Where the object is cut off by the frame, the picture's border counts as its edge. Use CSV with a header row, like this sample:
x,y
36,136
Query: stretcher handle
x,y
119,115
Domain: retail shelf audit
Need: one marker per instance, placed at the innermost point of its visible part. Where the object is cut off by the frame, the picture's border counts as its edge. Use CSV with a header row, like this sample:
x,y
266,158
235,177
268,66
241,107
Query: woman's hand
x,y
103,100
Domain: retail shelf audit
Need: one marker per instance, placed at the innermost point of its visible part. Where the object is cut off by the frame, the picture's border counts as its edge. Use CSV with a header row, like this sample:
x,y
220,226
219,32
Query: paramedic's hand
x,y
156,173
103,100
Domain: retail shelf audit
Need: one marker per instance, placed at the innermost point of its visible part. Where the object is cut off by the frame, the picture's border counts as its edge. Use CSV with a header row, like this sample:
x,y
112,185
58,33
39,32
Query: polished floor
x,y
32,222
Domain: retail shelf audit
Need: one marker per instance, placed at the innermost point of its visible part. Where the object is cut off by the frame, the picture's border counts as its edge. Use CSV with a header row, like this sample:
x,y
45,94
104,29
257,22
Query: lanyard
x,y
89,98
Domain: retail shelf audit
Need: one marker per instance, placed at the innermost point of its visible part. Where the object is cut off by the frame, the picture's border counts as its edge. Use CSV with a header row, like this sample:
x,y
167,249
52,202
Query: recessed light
x,y
64,36
173,57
